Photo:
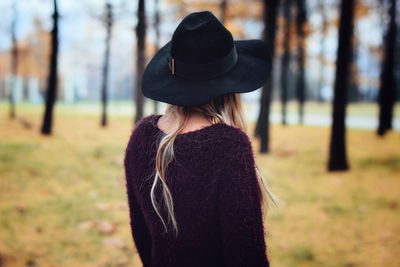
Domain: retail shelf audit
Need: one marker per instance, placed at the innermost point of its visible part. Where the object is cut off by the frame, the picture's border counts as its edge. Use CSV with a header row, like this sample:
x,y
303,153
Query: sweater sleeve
x,y
139,229
239,206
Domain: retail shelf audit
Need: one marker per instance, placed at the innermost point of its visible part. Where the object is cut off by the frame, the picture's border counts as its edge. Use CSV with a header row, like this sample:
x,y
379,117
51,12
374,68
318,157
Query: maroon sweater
x,y
214,188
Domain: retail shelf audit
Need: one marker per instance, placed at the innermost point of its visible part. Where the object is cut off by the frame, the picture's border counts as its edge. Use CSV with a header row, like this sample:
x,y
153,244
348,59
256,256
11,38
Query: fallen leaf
x,y
284,245
386,236
393,205
286,152
86,225
113,242
102,206
21,207
105,227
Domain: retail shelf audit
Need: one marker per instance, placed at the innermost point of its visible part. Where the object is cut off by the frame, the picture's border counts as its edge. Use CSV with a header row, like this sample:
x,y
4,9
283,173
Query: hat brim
x,y
251,72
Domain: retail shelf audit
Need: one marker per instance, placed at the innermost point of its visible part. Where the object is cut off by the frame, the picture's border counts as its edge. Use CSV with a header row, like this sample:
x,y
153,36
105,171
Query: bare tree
x,y
111,14
52,80
387,92
104,97
141,57
301,86
157,38
353,92
287,4
269,35
14,60
338,156
223,11
324,31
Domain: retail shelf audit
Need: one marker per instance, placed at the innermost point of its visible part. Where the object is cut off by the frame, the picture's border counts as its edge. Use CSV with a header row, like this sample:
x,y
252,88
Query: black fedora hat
x,y
202,61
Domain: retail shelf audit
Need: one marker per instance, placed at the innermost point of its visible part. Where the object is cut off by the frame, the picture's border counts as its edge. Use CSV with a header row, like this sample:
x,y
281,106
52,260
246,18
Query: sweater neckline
x,y
194,132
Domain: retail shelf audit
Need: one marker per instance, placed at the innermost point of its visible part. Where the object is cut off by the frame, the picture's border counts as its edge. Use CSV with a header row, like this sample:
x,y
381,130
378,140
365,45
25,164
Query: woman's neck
x,y
196,121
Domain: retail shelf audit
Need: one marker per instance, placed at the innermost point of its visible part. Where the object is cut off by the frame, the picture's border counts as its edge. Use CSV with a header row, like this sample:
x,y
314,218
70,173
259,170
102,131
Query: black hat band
x,y
202,71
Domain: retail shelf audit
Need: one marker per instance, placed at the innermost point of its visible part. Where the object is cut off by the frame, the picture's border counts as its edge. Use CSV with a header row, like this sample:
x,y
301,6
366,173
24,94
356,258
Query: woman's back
x,y
215,194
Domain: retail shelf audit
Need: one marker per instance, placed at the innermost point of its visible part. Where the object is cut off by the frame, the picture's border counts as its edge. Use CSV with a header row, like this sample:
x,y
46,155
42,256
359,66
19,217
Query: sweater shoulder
x,y
234,144
143,125
140,131
145,122
233,137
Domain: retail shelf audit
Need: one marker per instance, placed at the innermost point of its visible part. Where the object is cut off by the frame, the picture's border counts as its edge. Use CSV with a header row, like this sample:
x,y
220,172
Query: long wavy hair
x,y
226,109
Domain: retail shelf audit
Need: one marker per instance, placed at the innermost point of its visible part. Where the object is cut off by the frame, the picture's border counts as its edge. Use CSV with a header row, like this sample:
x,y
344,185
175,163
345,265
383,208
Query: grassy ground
x,y
63,202
125,108
359,109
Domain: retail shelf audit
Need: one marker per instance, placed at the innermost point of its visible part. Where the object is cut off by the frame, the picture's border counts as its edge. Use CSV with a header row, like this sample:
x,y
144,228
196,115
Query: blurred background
x,y
324,129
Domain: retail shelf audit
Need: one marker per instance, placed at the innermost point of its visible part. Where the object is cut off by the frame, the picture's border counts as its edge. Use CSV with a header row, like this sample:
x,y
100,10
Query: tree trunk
x,y
337,156
353,93
52,80
301,87
157,39
321,81
387,91
223,11
140,35
25,88
3,93
285,57
104,97
14,61
269,35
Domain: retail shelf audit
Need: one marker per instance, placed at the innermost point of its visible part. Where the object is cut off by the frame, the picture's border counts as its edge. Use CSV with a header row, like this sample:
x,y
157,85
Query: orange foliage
x,y
33,54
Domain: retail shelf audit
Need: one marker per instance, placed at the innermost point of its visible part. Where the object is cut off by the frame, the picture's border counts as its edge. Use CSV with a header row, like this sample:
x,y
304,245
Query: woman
x,y
195,195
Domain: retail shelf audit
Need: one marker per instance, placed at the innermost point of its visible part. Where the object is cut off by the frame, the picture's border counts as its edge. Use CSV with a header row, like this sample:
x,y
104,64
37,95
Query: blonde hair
x,y
226,109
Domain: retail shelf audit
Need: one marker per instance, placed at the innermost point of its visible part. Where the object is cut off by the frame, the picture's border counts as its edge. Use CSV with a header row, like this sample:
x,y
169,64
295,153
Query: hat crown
x,y
201,38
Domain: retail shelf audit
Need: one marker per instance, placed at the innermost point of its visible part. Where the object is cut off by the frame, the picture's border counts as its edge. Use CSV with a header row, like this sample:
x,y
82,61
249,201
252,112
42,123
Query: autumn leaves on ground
x,y
63,202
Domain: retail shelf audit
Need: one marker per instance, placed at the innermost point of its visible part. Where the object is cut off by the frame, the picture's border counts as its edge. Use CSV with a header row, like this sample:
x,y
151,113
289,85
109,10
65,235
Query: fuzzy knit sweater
x,y
213,184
